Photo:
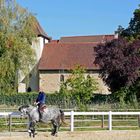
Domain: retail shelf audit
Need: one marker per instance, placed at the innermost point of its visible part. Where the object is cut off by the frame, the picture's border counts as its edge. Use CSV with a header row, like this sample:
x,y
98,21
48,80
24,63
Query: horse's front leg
x,y
31,129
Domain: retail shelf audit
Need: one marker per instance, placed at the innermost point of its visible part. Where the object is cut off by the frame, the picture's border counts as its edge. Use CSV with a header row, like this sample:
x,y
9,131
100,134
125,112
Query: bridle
x,y
23,111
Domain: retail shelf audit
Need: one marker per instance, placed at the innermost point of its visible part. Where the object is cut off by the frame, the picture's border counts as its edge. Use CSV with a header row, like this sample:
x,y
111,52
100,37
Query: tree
x,y
133,30
17,30
119,31
79,86
119,61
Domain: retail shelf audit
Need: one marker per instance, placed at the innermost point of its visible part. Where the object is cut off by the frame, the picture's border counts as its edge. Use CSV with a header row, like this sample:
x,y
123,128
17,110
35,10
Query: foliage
x,y
119,61
17,29
28,98
79,87
121,95
133,30
97,102
17,99
55,99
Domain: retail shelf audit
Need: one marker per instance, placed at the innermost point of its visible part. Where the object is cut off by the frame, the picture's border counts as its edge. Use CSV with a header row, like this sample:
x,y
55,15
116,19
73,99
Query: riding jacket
x,y
41,98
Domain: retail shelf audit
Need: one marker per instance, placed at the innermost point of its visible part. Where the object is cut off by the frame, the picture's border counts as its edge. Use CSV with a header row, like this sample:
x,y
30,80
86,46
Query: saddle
x,y
41,109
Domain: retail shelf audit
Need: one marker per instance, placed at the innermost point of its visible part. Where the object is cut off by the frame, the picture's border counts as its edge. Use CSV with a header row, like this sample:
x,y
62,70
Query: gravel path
x,y
78,135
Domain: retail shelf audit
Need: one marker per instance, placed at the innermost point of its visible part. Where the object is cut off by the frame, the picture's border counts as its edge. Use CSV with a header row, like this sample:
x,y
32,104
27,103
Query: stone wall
x,y
50,81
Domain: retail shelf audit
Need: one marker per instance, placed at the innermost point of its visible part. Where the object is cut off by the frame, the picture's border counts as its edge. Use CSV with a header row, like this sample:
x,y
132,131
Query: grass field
x,y
80,135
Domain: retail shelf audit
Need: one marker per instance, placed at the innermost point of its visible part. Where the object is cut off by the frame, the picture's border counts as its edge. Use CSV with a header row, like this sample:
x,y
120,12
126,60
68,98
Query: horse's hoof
x,y
56,135
35,133
52,134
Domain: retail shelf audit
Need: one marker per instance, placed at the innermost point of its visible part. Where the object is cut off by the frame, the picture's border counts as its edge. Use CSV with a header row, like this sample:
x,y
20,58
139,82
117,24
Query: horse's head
x,y
24,109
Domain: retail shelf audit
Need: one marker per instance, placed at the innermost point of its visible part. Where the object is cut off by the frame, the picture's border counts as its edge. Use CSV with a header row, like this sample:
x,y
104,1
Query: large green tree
x,y
79,86
132,32
17,30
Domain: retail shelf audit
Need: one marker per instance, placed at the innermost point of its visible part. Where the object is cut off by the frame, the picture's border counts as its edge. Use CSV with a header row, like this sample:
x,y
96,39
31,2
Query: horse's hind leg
x,y
58,123
55,128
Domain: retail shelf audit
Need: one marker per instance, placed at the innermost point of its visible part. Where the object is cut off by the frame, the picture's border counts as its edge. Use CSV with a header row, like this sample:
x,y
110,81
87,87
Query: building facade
x,y
31,81
55,59
60,56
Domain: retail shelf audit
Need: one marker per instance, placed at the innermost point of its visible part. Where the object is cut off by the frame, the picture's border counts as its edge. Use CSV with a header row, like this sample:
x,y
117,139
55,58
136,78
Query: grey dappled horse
x,y
48,114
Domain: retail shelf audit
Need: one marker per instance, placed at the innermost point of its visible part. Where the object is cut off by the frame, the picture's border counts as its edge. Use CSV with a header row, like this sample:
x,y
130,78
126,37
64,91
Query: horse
x,y
53,114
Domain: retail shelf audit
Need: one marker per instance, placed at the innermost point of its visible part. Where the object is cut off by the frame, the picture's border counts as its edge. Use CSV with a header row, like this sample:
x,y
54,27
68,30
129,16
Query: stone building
x,y
54,59
59,56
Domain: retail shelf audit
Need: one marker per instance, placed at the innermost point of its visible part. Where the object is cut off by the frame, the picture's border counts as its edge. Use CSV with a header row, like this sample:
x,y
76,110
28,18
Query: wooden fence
x,y
72,115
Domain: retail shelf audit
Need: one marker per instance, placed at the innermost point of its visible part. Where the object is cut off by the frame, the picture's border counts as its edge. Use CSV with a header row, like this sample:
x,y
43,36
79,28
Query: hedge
x,y
30,97
18,98
52,99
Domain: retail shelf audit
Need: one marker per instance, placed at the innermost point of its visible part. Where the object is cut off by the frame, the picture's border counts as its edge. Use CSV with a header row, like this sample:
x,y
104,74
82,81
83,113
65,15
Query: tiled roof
x,y
58,56
70,51
96,38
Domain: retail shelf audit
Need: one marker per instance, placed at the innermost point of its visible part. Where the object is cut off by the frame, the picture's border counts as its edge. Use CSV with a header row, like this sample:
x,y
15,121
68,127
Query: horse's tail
x,y
62,116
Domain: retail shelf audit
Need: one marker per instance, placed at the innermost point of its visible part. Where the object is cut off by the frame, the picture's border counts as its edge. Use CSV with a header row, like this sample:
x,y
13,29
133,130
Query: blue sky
x,y
81,17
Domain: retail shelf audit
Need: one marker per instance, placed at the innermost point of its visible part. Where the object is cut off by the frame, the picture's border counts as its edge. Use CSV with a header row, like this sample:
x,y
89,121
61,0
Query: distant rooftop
x,y
67,52
95,38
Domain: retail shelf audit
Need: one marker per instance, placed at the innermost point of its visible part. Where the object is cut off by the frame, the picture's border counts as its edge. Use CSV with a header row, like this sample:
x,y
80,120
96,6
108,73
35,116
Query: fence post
x,y
10,122
72,121
138,120
110,121
102,121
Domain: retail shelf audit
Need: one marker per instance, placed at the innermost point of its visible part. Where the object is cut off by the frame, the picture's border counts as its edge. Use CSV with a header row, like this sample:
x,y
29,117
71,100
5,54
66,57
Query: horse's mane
x,y
26,106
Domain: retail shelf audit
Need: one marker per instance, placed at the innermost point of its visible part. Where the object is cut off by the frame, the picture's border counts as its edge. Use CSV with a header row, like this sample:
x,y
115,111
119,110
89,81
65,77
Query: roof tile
x,y
67,55
70,51
96,38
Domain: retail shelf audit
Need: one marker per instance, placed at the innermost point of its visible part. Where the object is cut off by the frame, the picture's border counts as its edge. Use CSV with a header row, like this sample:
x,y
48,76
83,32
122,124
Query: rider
x,y
40,101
